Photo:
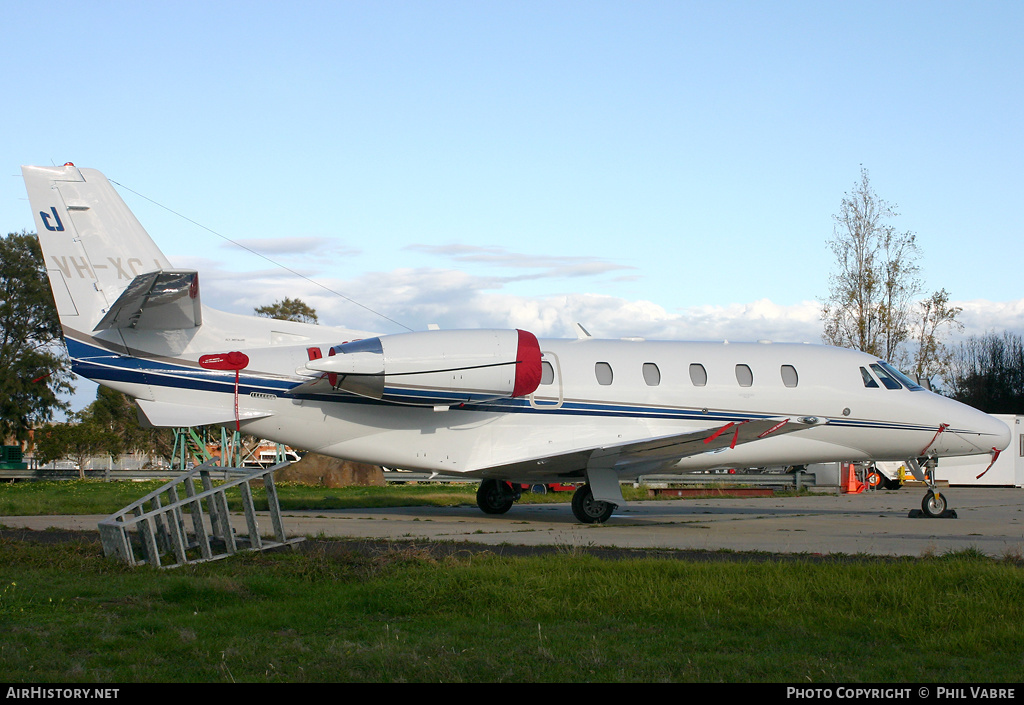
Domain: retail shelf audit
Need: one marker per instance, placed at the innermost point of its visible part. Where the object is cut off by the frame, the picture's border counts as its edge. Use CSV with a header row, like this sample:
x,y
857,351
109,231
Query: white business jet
x,y
497,405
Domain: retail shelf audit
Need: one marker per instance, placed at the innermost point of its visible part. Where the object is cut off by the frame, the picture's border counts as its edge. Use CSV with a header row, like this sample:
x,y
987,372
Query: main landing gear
x,y
496,496
589,510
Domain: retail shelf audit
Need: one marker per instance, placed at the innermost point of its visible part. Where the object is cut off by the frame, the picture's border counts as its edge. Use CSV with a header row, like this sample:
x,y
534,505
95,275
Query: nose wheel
x,y
933,505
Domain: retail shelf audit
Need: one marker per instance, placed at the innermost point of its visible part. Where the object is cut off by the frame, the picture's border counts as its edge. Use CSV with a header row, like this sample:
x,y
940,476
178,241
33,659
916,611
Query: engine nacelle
x,y
436,368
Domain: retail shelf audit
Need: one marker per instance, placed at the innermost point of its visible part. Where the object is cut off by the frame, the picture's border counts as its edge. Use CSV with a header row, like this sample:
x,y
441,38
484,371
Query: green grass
x,y
99,497
68,614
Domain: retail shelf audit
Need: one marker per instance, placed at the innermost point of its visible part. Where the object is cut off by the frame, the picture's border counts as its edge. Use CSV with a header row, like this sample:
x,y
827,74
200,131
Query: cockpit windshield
x,y
899,376
869,381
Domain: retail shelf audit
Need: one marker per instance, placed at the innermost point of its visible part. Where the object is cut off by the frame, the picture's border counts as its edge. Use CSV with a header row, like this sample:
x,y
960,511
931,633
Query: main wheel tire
x,y
589,510
933,505
494,497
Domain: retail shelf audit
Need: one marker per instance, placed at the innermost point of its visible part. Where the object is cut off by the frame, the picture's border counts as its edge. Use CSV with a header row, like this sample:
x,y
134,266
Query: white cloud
x,y
980,316
456,299
291,246
544,266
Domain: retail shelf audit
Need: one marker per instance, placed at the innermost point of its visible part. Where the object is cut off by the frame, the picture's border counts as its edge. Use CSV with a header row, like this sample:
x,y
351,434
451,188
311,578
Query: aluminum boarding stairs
x,y
180,522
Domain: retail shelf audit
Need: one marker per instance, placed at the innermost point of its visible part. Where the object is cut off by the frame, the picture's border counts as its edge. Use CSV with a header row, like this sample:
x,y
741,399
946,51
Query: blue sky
x,y
666,169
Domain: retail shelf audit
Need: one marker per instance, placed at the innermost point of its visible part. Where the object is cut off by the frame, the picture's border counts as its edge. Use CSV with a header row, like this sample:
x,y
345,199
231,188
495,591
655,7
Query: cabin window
x,y
869,381
744,376
698,375
888,380
789,376
604,373
547,372
652,375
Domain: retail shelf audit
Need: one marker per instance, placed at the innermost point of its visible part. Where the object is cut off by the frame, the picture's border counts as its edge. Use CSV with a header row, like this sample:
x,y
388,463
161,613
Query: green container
x,y
10,458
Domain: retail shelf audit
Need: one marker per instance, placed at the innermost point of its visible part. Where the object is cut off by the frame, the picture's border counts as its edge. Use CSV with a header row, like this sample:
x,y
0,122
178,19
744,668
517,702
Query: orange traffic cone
x,y
853,485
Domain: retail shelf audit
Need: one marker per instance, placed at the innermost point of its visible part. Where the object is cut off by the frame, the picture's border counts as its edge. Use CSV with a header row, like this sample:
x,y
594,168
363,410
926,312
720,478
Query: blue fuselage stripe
x,y
101,365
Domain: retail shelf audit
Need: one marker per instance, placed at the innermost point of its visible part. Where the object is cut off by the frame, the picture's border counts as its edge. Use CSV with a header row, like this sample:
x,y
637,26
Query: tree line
x,y
987,372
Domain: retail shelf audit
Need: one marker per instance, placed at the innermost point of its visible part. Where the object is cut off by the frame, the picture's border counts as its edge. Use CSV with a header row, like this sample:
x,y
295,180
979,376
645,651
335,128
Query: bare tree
x,y
935,316
871,296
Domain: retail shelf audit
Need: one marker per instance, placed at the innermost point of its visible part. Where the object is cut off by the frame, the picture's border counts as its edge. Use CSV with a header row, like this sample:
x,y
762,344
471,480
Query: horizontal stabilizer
x,y
161,300
167,415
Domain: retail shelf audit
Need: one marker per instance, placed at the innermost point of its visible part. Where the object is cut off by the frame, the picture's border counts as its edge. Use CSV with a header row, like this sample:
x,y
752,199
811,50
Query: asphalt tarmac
x,y
990,520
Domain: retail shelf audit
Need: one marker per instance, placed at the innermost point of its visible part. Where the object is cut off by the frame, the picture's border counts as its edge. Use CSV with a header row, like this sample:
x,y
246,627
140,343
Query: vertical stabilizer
x,y
92,244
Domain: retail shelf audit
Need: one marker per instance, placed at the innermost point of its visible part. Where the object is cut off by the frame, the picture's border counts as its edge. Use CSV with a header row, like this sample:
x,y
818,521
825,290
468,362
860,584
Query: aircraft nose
x,y
978,432
991,432
1000,433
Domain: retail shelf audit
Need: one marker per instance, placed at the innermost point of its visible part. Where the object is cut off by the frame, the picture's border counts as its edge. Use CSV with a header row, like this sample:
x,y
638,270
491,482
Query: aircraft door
x,y
548,394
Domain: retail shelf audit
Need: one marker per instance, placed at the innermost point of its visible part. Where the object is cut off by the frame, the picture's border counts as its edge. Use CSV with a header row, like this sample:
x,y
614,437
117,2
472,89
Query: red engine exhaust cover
x,y
528,369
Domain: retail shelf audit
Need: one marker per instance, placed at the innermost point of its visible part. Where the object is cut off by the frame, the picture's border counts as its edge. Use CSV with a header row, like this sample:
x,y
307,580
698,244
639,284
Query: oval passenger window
x,y
698,375
652,375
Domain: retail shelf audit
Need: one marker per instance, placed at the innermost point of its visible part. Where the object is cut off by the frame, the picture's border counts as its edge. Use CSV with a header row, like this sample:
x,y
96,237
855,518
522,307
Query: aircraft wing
x,y
648,455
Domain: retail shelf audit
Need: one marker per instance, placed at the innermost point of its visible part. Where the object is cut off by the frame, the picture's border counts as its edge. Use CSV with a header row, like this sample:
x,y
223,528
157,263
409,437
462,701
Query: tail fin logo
x,y
46,220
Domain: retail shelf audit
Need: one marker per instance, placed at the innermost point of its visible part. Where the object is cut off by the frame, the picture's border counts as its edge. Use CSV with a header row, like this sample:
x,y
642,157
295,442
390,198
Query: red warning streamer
x,y
942,428
719,432
995,456
774,428
723,429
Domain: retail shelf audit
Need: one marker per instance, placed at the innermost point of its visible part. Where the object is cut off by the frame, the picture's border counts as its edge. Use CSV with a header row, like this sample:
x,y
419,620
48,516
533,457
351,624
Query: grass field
x,y
99,497
333,613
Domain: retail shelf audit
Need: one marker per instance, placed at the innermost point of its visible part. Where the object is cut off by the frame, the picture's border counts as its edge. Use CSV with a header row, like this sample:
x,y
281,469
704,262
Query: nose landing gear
x,y
933,506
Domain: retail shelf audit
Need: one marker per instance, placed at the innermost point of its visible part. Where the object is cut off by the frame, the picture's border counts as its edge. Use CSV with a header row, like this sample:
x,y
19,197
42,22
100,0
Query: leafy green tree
x,y
35,374
289,310
79,439
117,413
